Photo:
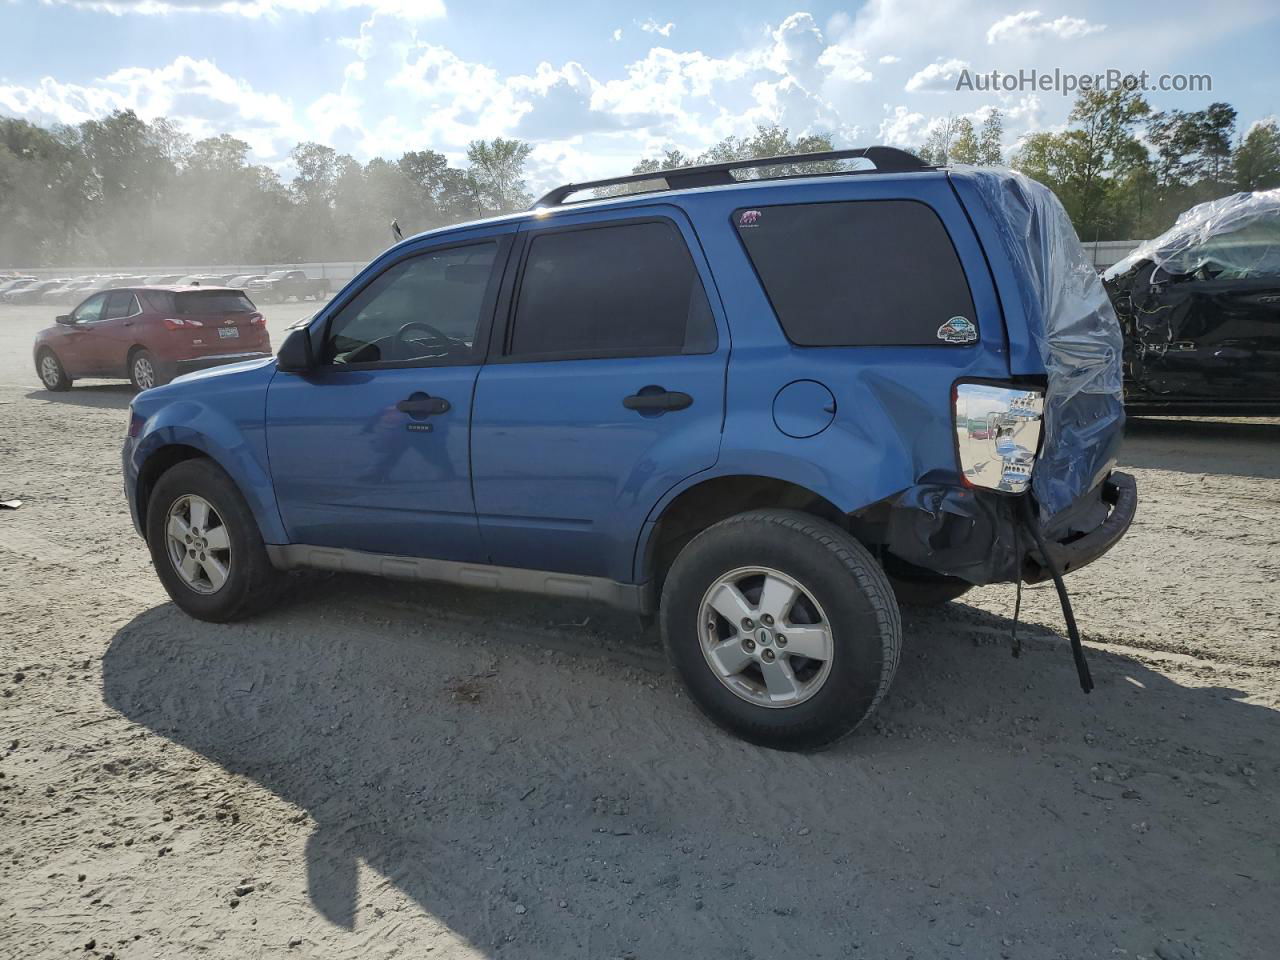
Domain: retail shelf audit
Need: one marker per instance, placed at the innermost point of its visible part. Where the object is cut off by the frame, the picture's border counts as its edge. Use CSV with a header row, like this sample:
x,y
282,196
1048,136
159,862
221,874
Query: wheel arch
x,y
40,350
167,445
154,466
130,354
687,512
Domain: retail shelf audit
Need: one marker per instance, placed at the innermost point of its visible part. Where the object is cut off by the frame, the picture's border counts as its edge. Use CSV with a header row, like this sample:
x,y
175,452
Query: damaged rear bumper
x,y
979,536
1120,493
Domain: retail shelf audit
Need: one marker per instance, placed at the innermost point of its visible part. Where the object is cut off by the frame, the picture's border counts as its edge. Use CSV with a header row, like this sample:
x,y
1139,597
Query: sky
x,y
595,87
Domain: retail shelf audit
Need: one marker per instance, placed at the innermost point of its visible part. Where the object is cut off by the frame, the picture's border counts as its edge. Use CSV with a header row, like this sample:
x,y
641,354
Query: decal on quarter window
x,y
958,330
749,218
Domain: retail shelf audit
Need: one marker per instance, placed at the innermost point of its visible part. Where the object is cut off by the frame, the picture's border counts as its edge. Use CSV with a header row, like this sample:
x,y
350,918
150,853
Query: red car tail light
x,y
257,318
177,323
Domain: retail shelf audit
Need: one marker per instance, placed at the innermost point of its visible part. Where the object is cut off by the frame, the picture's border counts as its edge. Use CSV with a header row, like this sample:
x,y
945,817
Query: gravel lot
x,y
379,770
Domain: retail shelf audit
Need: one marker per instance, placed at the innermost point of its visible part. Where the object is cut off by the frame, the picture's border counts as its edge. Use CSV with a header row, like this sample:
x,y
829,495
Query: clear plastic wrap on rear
x,y
1074,328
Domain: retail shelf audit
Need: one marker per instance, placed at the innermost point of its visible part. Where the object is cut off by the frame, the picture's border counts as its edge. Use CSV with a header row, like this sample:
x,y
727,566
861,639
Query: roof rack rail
x,y
886,160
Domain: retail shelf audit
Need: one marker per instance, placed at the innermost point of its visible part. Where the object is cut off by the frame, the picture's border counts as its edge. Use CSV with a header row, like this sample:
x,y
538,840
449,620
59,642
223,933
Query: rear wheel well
x,y
711,501
155,466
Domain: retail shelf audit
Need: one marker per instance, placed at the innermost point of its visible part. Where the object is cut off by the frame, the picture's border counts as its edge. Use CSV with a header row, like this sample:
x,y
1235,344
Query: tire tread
x,y
852,556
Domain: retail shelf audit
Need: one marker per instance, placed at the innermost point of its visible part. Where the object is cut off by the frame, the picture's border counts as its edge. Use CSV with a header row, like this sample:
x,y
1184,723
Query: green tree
x,y
1257,157
497,173
767,141
1083,165
771,141
989,150
1192,147
936,148
965,148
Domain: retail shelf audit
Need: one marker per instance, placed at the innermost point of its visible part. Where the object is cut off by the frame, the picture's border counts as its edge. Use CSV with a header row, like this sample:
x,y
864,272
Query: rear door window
x,y
621,290
120,303
860,273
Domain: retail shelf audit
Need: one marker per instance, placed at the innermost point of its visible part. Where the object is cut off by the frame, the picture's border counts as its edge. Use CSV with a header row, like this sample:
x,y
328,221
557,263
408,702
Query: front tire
x,y
205,544
51,373
784,629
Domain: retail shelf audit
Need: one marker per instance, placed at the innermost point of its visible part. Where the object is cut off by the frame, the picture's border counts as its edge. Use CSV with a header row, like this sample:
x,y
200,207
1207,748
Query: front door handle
x,y
658,399
421,405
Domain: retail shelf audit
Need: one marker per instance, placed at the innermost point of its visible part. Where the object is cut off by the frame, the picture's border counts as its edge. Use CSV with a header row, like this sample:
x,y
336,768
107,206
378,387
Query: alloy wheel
x,y
765,637
49,371
144,374
198,543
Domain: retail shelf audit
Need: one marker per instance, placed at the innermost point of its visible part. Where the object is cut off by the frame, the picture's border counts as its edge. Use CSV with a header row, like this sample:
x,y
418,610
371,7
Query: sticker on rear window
x,y
749,218
958,330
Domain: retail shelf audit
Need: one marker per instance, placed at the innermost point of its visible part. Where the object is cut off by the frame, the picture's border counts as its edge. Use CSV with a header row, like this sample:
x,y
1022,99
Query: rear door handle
x,y
420,405
657,399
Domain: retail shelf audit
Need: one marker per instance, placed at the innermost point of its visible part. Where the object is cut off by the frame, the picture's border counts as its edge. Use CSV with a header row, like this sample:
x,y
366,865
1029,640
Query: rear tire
x,y
206,546
831,599
144,372
930,591
52,375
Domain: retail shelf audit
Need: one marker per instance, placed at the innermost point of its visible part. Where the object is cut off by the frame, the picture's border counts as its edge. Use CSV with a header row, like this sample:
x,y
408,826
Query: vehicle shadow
x,y
528,773
114,396
1243,448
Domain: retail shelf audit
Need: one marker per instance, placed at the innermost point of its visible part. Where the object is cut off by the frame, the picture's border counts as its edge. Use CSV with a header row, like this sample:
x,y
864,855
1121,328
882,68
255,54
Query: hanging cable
x,y
1015,642
1077,649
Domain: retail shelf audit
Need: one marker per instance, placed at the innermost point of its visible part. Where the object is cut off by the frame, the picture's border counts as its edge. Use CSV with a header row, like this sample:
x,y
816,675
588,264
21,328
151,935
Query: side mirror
x,y
66,318
294,355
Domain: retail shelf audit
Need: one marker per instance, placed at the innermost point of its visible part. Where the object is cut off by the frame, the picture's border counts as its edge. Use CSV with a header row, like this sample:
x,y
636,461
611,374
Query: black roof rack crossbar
x,y
885,159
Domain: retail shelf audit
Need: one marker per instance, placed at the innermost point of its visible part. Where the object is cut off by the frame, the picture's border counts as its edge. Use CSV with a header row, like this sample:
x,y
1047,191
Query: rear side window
x,y
860,273
208,302
623,290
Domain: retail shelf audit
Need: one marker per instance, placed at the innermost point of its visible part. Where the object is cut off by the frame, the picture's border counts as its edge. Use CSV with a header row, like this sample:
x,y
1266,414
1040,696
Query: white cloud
x,y
653,26
402,89
938,77
1027,24
202,99
902,127
845,63
404,9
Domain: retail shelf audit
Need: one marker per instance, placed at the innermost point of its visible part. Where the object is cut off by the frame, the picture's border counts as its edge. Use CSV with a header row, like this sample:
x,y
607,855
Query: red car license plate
x,y
228,333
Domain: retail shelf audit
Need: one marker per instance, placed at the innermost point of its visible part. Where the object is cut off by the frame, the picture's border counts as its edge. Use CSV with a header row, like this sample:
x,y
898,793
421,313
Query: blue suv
x,y
765,410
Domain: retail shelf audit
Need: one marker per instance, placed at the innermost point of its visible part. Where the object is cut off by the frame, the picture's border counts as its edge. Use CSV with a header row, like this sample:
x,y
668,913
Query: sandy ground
x,y
380,770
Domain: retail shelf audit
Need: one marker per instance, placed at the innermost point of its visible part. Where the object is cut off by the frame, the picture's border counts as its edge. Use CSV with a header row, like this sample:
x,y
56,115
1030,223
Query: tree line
x,y
119,191
1125,171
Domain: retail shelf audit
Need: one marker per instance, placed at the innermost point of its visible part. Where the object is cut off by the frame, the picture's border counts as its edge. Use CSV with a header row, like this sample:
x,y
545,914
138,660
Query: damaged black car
x,y
1200,309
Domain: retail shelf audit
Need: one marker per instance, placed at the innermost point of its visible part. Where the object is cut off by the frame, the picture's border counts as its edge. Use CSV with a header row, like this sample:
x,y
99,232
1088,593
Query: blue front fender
x,y
224,418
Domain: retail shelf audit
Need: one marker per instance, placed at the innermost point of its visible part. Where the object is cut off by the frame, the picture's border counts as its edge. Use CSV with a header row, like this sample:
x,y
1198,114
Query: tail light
x,y
179,323
997,435
257,318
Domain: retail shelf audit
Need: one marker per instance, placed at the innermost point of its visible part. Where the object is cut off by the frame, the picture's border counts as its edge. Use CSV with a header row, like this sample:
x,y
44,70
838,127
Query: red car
x,y
149,335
